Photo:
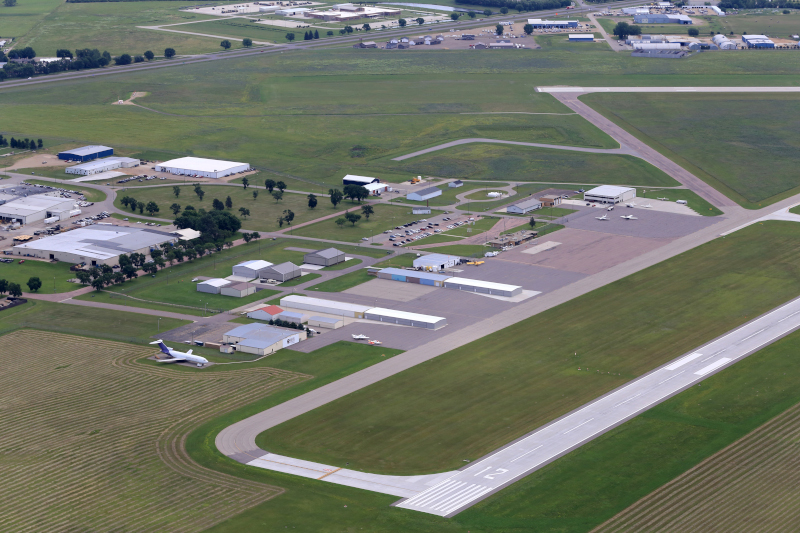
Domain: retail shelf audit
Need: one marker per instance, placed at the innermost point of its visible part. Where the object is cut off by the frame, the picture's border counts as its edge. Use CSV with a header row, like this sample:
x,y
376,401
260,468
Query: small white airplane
x,y
664,199
632,204
648,206
610,208
629,217
176,356
375,342
360,337
604,217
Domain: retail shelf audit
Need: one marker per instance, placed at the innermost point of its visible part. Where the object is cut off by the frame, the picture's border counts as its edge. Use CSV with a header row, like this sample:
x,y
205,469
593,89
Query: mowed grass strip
x,y
385,217
351,279
476,398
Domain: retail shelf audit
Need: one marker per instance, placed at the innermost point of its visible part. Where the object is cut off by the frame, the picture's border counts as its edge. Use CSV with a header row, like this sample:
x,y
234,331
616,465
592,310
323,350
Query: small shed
x,y
420,210
238,290
250,269
282,272
457,183
265,313
424,194
326,257
325,322
212,286
436,262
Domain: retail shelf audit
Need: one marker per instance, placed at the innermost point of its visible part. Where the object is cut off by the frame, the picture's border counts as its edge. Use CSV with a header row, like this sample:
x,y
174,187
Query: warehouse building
x,y
325,322
326,257
420,210
86,153
524,206
484,287
238,290
350,179
213,285
581,37
424,194
95,245
199,167
319,305
404,318
413,276
261,339
550,200
436,262
102,165
636,10
265,313
655,46
38,207
609,194
289,316
758,41
661,19
539,23
250,269
723,43
282,272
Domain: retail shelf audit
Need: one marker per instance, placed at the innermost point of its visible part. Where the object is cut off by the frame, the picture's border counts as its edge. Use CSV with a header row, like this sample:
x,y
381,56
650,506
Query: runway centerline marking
x,y
672,376
680,362
579,425
629,399
753,335
526,453
788,317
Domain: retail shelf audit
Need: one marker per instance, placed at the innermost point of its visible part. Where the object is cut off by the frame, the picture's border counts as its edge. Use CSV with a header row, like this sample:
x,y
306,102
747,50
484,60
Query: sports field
x,y
450,409
740,144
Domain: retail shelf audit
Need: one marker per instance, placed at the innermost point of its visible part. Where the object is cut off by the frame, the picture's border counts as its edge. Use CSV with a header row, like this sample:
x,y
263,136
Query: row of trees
x,y
522,5
133,204
310,36
366,211
22,144
758,4
286,324
623,30
13,289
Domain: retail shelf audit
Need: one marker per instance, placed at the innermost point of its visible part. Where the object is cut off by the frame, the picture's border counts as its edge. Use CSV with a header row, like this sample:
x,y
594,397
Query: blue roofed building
x,y
86,153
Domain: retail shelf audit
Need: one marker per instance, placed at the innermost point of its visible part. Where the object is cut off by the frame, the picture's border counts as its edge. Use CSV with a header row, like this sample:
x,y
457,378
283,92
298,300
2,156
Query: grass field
x,y
466,250
350,280
448,196
302,279
739,144
694,201
50,273
130,218
703,293
18,20
241,28
385,217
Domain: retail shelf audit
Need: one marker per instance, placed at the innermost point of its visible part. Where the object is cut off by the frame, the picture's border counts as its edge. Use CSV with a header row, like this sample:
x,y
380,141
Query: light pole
x,y
159,324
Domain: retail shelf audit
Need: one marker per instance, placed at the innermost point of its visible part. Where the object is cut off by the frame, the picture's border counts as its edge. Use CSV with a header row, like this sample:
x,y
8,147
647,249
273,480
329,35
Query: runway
x,y
586,90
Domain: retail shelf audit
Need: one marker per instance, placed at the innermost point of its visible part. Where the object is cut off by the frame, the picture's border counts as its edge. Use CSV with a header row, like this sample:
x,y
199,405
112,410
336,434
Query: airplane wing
x,y
171,360
189,352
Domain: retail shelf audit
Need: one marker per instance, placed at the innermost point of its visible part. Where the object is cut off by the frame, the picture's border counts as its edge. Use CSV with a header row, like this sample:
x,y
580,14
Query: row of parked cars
x,y
143,177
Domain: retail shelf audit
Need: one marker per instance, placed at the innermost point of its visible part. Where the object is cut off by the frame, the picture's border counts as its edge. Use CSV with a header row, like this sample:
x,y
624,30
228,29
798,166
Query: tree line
x,y
758,4
523,5
22,144
14,290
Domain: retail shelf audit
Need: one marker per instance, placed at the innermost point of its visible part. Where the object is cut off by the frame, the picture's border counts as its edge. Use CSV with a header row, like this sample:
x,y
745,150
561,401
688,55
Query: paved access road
x,y
505,466
622,150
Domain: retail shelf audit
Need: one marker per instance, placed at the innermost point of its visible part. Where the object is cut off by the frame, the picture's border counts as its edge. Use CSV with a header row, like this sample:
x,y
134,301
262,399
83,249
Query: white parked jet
x,y
176,356
632,204
360,337
629,217
604,217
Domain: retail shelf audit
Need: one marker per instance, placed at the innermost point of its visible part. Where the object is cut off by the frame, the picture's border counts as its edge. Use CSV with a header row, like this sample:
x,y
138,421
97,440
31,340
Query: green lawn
x,y
448,196
443,417
241,28
18,20
694,201
385,217
302,279
130,218
49,273
740,144
465,250
344,264
350,280
478,226
439,238
91,195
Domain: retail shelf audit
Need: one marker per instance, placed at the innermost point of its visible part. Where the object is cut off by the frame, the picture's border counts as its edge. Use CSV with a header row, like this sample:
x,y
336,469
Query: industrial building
x,y
723,43
658,18
513,239
655,46
289,316
95,245
420,210
186,234
424,194
539,23
265,313
213,285
436,262
326,257
102,165
524,206
484,287
325,322
289,11
581,37
375,189
86,153
405,318
757,41
635,10
609,194
38,207
282,272
350,179
319,305
413,276
238,290
251,269
261,339
199,167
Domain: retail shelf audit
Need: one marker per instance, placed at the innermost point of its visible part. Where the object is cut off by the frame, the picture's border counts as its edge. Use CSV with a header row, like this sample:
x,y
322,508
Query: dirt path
x,y
129,101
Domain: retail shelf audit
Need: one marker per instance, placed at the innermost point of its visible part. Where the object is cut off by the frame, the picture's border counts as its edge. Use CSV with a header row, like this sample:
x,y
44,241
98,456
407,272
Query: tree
x,y
245,182
176,191
39,143
138,59
150,268
341,222
367,210
255,195
504,10
247,42
330,33
149,55
312,201
402,23
532,222
98,283
352,218
169,53
454,16
34,284
316,34
269,184
129,271
278,195
694,32
348,29
225,44
499,29
200,194
255,235
124,59
176,208
342,31
280,221
622,30
487,12
152,208
141,206
244,212
420,21
14,290
336,196
528,29
4,285
218,205
288,216
9,3
82,276
366,27
281,185
472,14
247,237
290,37
228,202
306,36
63,53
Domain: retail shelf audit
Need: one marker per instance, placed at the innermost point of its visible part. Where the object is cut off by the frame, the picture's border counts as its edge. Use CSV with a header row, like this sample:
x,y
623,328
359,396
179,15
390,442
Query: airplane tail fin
x,y
161,345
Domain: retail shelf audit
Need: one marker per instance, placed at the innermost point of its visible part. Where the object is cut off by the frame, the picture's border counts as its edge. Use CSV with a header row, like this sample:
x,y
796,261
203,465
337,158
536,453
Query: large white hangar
x,y
38,207
609,194
199,167
95,245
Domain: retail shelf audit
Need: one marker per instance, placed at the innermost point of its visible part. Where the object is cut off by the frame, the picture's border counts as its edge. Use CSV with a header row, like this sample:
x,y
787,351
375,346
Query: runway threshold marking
x,y
680,362
713,366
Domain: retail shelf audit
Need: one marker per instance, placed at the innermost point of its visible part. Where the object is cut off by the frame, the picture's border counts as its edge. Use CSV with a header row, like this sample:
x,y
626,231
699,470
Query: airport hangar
x,y
86,153
95,245
37,207
609,194
205,168
102,165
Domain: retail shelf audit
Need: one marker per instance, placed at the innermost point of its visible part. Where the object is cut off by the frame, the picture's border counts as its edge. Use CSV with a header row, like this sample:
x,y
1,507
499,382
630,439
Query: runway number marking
x,y
496,473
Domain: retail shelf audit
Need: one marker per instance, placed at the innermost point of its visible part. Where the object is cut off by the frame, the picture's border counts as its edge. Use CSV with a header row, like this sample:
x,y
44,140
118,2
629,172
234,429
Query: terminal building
x,y
203,168
95,245
609,194
86,153
102,165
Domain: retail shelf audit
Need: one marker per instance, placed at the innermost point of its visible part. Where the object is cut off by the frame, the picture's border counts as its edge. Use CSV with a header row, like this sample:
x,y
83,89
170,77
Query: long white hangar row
x,y
378,314
205,168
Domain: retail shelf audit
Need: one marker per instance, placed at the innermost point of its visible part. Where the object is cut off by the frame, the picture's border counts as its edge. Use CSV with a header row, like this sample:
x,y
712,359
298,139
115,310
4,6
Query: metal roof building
x,y
86,153
250,269
102,165
655,46
758,41
351,179
581,37
485,287
413,276
261,339
661,19
282,272
319,305
265,313
405,318
424,194
213,285
420,210
95,245
524,206
196,166
539,23
325,322
609,194
289,316
436,262
326,257
38,207
238,290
